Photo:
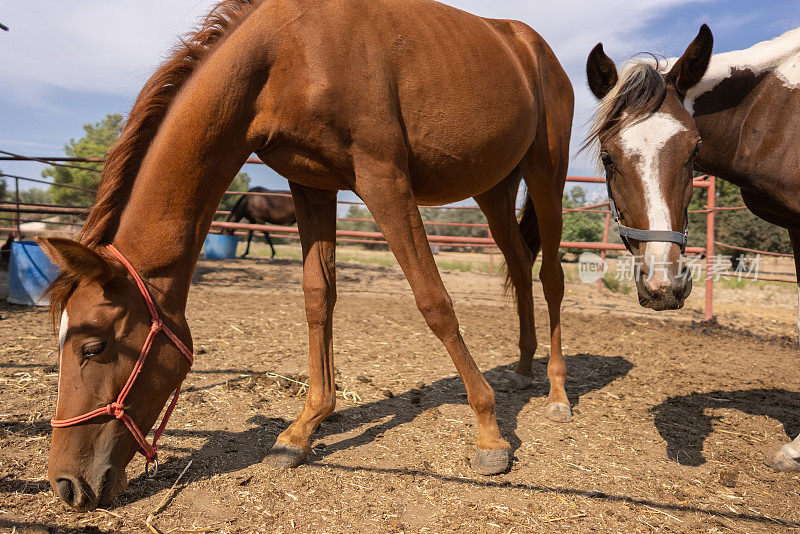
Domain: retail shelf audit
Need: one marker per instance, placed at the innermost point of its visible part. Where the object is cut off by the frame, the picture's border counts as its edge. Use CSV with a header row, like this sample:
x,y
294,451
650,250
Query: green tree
x,y
35,195
580,226
99,138
734,227
358,212
240,183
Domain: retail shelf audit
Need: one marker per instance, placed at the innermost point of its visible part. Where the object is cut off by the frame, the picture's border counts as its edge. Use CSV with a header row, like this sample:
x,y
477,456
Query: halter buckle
x,y
147,472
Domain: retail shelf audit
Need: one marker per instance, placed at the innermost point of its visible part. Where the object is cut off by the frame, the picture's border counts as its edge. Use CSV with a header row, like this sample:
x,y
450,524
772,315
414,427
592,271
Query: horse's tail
x,y
529,226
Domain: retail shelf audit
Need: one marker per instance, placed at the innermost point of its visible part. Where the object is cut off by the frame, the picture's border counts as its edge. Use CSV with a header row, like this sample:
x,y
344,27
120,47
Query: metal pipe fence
x,y
375,237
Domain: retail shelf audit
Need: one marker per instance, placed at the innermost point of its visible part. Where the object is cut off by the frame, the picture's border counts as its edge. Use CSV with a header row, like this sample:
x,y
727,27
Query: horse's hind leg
x,y
544,169
316,220
269,242
546,194
498,204
386,190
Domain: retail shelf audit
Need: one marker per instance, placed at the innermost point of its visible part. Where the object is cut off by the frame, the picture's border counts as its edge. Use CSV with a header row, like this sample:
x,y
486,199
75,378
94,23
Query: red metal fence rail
x,y
360,236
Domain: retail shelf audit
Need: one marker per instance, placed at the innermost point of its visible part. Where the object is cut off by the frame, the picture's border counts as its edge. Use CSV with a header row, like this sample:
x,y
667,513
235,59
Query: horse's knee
x,y
552,275
320,299
439,314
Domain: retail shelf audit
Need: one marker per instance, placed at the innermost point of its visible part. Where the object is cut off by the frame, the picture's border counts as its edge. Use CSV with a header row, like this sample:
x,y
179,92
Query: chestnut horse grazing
x,y
743,106
404,102
262,209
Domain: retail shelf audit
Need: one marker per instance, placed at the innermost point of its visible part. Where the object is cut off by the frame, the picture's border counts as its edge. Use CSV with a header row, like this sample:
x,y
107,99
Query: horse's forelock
x,y
58,293
640,91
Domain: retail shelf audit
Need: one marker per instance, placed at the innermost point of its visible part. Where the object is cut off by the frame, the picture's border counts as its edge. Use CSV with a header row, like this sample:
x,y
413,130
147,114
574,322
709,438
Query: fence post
x,y
491,254
16,218
712,193
603,251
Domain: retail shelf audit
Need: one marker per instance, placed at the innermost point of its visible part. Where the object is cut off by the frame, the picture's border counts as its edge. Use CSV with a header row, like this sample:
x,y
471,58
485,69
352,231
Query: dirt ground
x,y
673,417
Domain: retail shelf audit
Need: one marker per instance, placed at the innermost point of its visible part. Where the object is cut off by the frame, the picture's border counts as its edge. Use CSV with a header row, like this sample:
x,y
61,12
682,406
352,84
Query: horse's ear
x,y
74,257
601,72
692,65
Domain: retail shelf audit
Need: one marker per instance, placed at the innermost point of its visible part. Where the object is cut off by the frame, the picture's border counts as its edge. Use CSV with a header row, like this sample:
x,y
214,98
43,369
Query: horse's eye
x,y
697,148
93,348
607,161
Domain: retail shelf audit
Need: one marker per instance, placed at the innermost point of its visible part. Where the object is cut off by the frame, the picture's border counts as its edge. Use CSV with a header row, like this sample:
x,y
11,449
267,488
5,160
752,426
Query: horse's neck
x,y
732,86
204,140
779,57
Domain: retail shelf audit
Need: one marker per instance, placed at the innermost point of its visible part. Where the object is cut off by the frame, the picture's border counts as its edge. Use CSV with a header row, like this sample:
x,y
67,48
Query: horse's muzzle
x,y
84,496
665,294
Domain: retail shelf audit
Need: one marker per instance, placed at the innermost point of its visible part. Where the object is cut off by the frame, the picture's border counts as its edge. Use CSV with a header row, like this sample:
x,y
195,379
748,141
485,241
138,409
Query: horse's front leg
x,y
247,248
794,236
788,457
316,221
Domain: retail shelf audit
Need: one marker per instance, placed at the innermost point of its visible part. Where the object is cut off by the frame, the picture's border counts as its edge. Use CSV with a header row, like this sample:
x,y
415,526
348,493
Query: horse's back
x,y
461,92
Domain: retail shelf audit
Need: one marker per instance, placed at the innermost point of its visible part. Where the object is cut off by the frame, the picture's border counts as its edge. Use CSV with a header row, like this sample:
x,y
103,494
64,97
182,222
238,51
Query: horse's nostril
x,y
74,493
66,490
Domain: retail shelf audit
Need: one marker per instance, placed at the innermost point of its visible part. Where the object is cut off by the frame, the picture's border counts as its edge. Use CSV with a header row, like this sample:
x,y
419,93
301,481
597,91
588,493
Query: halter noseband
x,y
661,236
117,408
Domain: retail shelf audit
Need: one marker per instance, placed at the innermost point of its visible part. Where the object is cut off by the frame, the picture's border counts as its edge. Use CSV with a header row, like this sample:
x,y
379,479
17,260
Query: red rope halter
x,y
117,408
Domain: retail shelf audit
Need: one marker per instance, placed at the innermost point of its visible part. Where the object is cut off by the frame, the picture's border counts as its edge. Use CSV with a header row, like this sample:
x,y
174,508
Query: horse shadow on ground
x,y
226,451
243,273
685,440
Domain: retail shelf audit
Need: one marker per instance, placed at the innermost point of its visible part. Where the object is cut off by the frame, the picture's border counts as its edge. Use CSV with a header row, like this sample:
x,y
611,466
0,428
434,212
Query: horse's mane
x,y
236,207
639,92
145,118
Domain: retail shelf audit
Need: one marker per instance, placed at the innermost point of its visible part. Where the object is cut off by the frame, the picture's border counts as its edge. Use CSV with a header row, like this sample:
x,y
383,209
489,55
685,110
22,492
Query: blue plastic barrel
x,y
30,272
221,247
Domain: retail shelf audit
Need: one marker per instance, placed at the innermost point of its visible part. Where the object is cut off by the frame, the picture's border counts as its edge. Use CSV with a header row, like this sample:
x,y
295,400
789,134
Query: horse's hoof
x,y
558,412
785,460
490,462
518,381
284,456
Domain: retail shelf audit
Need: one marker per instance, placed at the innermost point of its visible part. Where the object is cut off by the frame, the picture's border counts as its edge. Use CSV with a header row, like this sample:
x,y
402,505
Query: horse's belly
x,y
467,135
448,168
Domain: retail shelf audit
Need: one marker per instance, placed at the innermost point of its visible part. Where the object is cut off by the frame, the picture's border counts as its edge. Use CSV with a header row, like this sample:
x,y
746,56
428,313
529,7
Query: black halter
x,y
661,236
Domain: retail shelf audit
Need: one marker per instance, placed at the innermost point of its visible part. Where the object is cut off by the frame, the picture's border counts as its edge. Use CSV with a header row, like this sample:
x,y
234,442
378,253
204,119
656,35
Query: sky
x,y
65,64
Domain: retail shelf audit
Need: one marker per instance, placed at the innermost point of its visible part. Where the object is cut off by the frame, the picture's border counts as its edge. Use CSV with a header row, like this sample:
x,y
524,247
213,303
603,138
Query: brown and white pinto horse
x,y
404,102
743,106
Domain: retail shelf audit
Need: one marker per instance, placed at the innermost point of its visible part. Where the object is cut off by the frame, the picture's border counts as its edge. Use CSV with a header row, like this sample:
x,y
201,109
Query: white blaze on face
x,y
644,141
62,337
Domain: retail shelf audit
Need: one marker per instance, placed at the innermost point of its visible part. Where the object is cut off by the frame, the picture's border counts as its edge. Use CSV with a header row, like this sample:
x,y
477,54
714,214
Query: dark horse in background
x,y
734,115
262,209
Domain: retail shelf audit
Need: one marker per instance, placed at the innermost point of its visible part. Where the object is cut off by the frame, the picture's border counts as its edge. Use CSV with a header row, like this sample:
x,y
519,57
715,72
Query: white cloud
x,y
112,46
89,45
